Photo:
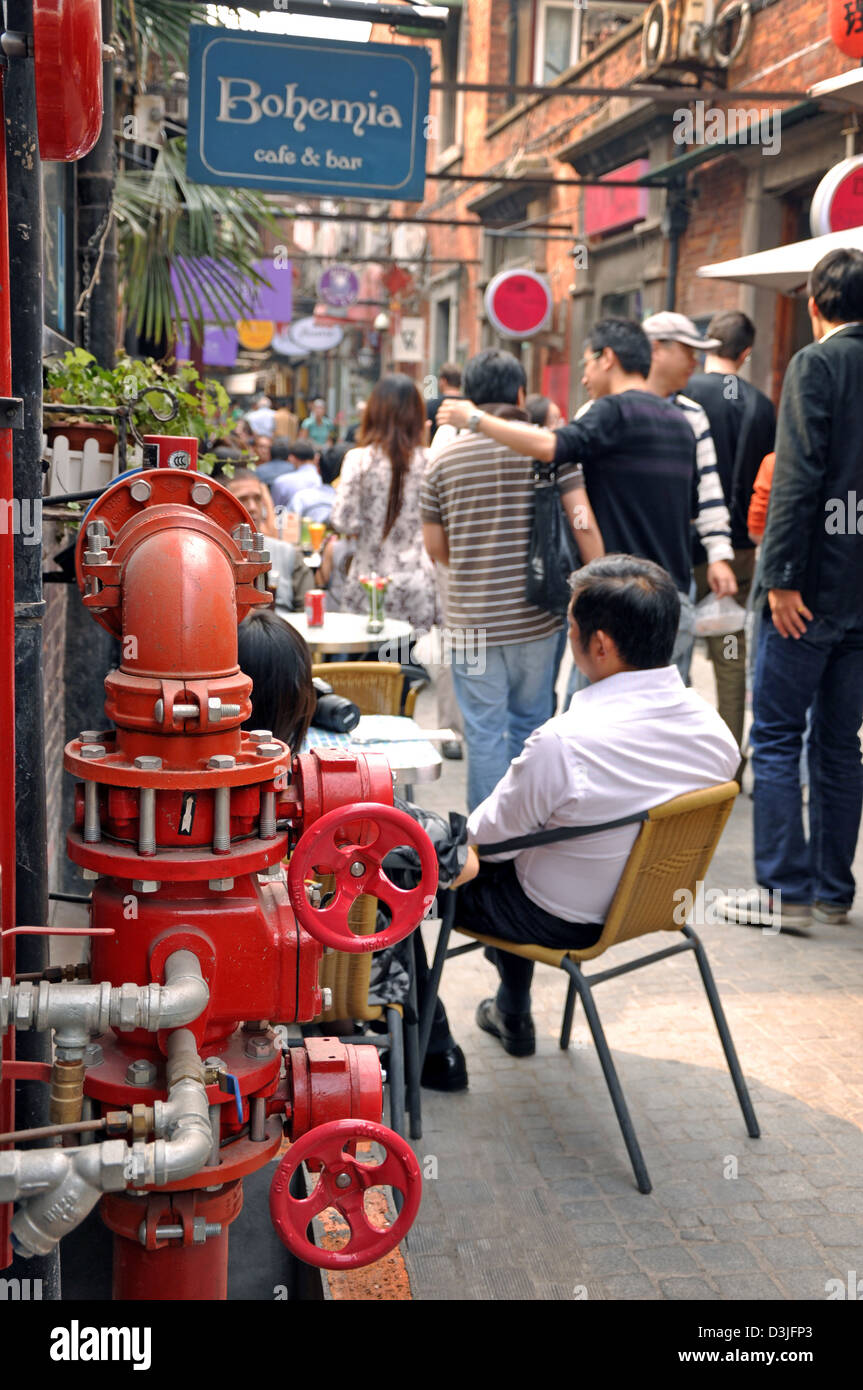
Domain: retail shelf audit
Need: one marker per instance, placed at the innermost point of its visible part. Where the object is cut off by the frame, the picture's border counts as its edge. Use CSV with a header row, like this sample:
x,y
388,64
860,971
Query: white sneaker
x,y
832,913
760,908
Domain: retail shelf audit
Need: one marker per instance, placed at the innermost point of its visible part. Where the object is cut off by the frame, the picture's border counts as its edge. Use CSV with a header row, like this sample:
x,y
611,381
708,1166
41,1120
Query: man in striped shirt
x,y
477,512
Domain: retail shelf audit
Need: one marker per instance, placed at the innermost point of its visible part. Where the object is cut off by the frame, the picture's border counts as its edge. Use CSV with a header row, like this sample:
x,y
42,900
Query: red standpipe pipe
x,y
7,667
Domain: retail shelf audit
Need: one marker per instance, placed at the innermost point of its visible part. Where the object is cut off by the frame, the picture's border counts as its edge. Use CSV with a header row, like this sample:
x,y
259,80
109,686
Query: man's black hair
x,y
450,372
627,340
302,450
494,377
634,601
331,462
836,285
735,331
280,447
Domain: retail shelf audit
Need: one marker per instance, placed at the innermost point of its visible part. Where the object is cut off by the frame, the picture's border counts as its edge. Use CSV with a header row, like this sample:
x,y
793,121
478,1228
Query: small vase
x,y
376,611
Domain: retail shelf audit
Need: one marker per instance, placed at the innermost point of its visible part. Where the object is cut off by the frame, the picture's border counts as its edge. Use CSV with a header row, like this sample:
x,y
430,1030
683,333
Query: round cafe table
x,y
348,632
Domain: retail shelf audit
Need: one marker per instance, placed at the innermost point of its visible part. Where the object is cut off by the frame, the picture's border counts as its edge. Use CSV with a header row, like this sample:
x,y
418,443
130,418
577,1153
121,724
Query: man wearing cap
x,y
674,341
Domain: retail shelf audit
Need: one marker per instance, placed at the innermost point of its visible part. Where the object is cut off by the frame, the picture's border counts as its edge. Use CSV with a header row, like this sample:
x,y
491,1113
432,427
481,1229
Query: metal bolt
x,y
259,1045
243,536
159,711
263,558
141,490
221,885
202,493
274,873
357,869
92,750
343,1180
326,998
269,750
260,735
141,1072
90,874
93,1055
92,819
268,814
216,1063
186,711
258,542
201,1230
95,557
222,762
222,819
147,821
217,710
90,736
145,885
145,763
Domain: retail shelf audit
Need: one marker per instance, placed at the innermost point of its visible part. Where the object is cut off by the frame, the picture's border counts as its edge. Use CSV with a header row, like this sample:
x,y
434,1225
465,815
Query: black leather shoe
x,y
515,1032
445,1071
451,748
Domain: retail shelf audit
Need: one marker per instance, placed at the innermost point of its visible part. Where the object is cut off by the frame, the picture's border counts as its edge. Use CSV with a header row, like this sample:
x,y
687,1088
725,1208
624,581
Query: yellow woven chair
x,y
374,686
673,850
347,976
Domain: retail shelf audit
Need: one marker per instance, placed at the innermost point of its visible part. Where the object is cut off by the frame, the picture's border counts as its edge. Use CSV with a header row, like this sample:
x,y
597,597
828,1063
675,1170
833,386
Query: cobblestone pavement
x,y
534,1197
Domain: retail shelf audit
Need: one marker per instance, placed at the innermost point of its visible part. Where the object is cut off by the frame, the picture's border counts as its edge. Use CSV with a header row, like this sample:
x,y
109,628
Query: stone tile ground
x,y
534,1196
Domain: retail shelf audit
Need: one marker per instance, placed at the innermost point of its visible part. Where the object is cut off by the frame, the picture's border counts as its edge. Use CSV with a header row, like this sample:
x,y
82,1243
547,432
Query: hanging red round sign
x,y
846,26
518,303
67,53
837,202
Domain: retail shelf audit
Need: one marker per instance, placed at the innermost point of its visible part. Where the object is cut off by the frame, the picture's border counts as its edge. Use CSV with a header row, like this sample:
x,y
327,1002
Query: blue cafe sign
x,y
307,116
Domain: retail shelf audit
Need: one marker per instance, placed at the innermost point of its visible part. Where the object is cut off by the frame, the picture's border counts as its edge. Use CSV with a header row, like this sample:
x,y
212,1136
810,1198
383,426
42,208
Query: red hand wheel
x,y
343,1182
327,847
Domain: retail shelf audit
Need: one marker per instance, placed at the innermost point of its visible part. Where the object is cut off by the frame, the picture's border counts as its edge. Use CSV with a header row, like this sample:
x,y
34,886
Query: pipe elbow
x,y
185,994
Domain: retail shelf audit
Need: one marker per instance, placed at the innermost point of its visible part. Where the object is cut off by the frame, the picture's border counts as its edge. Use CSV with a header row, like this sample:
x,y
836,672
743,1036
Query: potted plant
x,y
78,380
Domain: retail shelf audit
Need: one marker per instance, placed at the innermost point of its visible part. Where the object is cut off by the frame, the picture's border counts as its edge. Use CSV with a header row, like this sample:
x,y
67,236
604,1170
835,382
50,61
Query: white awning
x,y
784,268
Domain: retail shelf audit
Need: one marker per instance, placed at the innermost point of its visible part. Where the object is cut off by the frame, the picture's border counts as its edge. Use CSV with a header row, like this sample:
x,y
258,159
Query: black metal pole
x,y
25,265
97,232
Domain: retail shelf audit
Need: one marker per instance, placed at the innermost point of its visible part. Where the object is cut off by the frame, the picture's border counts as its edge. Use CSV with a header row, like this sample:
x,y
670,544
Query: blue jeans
x,y
501,707
824,670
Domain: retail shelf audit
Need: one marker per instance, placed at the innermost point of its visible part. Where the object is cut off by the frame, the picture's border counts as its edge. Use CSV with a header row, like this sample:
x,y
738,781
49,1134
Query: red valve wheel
x,y
357,868
343,1182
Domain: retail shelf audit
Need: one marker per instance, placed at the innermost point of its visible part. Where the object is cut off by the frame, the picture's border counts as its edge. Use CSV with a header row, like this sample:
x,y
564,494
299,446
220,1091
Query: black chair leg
x,y
752,1128
568,1011
412,1055
447,902
396,1077
611,1078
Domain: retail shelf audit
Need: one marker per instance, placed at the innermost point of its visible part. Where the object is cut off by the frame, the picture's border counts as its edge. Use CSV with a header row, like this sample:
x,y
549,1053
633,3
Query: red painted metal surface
x,y
163,1270
7,677
343,1182
67,49
351,843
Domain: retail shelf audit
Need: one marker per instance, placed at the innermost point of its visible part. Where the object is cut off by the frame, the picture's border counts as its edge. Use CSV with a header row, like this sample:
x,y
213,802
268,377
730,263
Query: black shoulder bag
x,y
552,553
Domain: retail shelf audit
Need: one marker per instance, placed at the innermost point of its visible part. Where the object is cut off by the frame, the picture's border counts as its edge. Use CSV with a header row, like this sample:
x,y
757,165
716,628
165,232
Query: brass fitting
x,y
67,1092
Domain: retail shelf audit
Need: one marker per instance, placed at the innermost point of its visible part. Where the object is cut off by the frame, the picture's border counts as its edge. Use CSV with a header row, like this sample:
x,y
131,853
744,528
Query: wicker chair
x,y
374,686
673,850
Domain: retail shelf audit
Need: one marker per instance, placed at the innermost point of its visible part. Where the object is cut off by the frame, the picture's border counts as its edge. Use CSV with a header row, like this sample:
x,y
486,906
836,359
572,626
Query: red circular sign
x,y
518,303
846,28
837,203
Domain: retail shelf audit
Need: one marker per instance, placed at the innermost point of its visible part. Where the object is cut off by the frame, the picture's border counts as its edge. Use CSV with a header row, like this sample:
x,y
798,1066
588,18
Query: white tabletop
x,y
412,760
348,632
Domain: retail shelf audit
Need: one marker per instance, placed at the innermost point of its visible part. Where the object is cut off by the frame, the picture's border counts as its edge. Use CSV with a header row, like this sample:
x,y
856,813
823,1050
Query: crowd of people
x,y
669,478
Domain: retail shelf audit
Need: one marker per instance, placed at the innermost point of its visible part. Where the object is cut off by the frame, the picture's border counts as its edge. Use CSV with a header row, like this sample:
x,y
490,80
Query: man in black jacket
x,y
810,656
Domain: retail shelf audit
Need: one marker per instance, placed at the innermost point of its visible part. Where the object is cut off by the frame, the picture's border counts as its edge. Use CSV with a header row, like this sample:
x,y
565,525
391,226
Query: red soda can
x,y
315,602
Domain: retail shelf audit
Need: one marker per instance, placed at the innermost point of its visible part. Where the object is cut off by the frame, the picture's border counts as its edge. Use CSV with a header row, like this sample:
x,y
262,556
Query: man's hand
x,y
454,412
720,577
470,870
788,611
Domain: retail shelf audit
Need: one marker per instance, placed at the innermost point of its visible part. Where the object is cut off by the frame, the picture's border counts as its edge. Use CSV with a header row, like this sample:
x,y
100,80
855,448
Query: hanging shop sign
x,y
255,334
837,202
409,341
339,286
307,115
518,303
846,26
306,336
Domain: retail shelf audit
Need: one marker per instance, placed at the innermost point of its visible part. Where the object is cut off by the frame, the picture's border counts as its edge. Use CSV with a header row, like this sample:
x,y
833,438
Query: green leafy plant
x,y
77,379
209,237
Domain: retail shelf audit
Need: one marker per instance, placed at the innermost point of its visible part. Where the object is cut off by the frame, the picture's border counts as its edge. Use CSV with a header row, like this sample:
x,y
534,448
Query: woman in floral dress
x,y
378,504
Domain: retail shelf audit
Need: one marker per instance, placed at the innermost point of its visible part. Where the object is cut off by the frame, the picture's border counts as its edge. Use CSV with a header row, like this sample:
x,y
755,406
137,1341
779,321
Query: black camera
x,y
333,711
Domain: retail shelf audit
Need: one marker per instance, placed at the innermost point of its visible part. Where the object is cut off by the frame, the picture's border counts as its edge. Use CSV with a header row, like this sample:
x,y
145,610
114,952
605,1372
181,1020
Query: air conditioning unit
x,y
672,39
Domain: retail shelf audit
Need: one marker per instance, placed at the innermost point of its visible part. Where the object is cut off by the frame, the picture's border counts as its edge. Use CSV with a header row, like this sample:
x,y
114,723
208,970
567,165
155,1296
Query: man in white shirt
x,y
636,737
263,418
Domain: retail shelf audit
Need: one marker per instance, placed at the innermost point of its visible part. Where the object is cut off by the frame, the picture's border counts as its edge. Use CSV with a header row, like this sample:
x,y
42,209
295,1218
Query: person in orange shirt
x,y
756,519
